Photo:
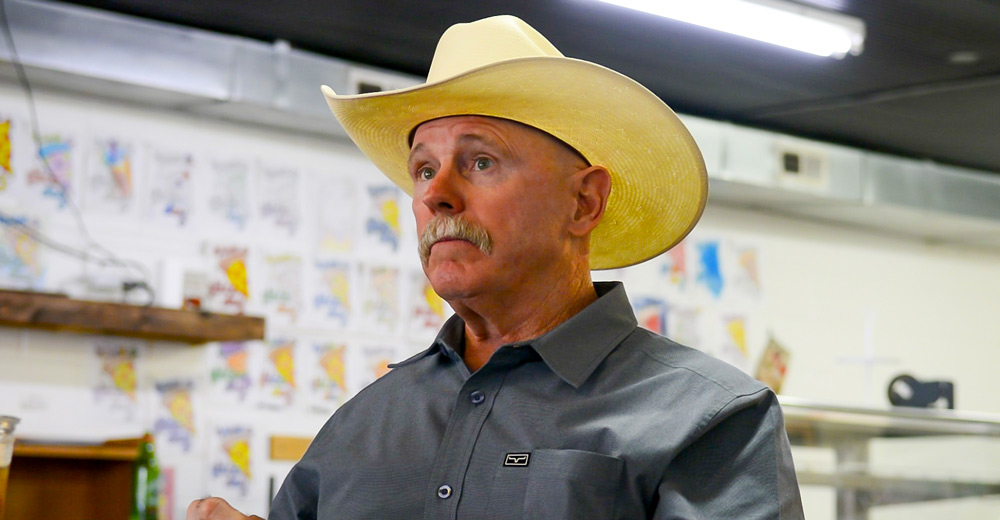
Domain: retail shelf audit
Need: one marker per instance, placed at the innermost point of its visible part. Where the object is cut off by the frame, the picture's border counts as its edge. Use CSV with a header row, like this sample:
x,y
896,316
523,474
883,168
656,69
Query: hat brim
x,y
659,183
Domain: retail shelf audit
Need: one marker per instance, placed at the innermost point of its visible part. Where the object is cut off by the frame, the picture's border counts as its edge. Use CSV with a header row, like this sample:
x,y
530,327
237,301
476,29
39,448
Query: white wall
x,y
929,310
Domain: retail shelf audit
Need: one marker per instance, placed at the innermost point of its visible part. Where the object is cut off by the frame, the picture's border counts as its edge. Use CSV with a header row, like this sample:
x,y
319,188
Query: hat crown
x,y
468,46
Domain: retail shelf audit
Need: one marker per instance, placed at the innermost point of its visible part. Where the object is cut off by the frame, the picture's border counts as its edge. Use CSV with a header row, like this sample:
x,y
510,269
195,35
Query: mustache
x,y
445,227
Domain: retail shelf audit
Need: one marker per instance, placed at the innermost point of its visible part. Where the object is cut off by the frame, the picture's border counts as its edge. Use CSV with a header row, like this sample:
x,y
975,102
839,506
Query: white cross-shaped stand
x,y
868,358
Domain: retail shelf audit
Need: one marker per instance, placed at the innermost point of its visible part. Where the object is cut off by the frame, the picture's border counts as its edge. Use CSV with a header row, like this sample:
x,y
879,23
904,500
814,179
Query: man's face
x,y
505,180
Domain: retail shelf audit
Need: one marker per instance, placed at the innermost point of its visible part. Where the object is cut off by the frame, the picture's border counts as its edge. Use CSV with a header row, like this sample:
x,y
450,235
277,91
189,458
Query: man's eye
x,y
425,173
482,163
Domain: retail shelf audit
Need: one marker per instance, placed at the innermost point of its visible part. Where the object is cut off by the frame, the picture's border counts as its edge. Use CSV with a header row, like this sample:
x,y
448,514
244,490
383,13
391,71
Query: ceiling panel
x,y
903,94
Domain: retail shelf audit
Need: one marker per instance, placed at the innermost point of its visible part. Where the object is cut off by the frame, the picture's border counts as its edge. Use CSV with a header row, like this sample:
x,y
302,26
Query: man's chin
x,y
450,279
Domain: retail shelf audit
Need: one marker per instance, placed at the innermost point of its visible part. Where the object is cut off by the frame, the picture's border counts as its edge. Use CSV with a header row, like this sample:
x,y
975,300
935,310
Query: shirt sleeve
x,y
740,467
297,499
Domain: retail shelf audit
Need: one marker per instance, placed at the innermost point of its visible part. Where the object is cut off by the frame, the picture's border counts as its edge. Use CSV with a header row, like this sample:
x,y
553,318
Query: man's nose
x,y
443,193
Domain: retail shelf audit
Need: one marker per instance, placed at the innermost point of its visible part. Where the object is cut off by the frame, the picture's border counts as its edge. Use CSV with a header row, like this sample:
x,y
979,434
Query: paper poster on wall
x,y
428,311
331,293
230,462
7,154
115,380
171,187
745,270
380,294
279,199
109,186
182,477
734,347
277,380
230,372
375,361
773,365
21,264
51,175
335,200
674,265
168,493
710,275
281,291
173,415
382,230
229,194
324,368
228,289
651,313
683,326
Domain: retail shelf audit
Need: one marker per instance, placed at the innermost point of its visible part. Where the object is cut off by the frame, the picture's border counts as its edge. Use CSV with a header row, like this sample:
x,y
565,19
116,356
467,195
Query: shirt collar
x,y
448,342
575,348
572,350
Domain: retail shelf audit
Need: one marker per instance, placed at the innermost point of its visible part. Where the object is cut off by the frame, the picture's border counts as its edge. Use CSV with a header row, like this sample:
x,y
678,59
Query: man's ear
x,y
592,187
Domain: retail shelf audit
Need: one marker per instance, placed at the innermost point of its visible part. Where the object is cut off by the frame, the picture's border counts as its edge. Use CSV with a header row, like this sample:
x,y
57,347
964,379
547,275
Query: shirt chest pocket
x,y
557,484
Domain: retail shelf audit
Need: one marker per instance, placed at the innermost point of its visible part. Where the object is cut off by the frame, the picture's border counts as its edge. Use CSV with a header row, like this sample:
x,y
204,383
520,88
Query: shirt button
x,y
477,397
444,491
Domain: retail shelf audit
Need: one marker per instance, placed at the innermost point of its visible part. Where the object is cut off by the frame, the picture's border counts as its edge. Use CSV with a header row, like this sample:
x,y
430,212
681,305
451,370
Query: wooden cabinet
x,y
71,482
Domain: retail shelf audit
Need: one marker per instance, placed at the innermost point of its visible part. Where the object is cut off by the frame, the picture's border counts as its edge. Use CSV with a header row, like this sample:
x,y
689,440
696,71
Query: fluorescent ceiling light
x,y
778,22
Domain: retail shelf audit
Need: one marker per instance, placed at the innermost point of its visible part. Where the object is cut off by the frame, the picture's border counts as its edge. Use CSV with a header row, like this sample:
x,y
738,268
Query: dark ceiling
x,y
927,84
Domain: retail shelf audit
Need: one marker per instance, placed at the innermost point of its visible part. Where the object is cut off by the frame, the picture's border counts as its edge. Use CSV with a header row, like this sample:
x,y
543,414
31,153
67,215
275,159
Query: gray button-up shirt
x,y
596,419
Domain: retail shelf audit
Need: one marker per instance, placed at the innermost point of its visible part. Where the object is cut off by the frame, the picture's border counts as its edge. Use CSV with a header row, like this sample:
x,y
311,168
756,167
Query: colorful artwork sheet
x,y
7,154
324,364
52,173
710,276
382,227
745,259
773,365
277,380
229,204
279,199
231,462
174,415
168,493
230,372
380,310
651,313
674,266
21,265
110,176
335,201
282,287
374,363
428,311
734,348
115,382
331,293
228,281
171,187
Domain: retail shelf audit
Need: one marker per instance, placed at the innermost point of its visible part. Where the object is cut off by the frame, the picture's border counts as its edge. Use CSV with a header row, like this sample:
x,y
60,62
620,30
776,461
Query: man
x,y
540,398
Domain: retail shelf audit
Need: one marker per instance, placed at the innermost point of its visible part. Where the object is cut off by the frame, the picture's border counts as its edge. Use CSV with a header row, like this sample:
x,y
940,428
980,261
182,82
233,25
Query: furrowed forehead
x,y
514,124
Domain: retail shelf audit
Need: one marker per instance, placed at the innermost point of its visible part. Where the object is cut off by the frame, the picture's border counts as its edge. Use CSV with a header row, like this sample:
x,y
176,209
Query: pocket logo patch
x,y
516,459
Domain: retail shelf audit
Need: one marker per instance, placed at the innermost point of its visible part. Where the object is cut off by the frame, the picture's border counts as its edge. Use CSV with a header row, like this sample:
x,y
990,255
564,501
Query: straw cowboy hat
x,y
502,67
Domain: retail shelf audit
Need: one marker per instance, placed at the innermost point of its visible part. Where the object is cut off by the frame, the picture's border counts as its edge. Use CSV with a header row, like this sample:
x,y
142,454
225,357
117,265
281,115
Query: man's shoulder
x,y
690,366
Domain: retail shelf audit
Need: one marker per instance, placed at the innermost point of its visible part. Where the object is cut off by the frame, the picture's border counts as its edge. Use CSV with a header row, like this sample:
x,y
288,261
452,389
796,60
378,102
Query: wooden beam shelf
x,y
59,313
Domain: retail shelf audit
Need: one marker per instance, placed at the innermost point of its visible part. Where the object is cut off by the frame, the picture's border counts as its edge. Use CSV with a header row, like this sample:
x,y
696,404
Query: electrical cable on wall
x,y
106,257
